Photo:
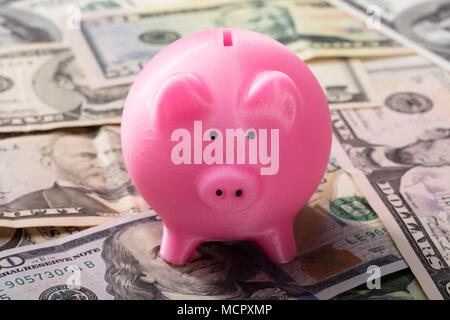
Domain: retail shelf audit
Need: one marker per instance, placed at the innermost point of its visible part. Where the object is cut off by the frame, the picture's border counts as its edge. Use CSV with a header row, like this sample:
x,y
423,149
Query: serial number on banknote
x,y
42,276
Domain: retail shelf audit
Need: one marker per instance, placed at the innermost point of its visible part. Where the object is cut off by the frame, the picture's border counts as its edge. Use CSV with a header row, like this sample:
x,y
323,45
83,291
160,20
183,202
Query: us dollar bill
x,y
42,87
66,178
34,21
106,61
339,238
401,285
347,237
18,237
399,158
421,25
345,82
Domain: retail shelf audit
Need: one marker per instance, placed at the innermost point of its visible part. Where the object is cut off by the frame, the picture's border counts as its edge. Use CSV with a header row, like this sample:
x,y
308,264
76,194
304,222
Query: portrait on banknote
x,y
12,238
428,191
422,25
85,174
412,180
22,27
428,150
271,19
420,170
60,84
42,87
428,24
260,16
215,270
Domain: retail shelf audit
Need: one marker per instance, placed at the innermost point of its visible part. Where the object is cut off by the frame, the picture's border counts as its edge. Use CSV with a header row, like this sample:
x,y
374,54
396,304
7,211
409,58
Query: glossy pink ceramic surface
x,y
227,79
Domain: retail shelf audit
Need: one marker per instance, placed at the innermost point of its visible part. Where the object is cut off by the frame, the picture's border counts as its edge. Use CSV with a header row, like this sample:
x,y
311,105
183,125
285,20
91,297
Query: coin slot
x,y
227,39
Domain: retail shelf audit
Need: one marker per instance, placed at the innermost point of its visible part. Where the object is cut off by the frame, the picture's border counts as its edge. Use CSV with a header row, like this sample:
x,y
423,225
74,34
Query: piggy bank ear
x,y
183,97
273,96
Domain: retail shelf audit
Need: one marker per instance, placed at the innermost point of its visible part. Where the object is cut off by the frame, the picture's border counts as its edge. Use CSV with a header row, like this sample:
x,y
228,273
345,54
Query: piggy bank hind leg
x,y
279,244
177,247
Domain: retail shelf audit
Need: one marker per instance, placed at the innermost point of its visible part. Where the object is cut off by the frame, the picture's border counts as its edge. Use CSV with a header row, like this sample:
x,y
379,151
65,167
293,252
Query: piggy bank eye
x,y
213,135
251,134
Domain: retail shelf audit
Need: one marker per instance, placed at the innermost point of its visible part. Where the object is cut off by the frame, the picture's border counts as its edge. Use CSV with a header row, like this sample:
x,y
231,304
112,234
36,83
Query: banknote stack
x,y
71,221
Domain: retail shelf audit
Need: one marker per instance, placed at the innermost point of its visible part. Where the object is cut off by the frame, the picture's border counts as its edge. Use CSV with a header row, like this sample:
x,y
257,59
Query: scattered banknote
x,y
42,87
338,237
401,285
68,178
115,45
53,186
422,25
345,83
18,237
33,21
399,158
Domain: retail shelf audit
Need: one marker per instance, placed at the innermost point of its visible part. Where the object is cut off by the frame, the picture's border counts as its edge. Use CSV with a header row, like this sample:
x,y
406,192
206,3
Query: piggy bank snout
x,y
228,189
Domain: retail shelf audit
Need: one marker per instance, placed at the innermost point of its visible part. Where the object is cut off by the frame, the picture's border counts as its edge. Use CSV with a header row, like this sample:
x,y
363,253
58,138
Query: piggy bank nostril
x,y
228,189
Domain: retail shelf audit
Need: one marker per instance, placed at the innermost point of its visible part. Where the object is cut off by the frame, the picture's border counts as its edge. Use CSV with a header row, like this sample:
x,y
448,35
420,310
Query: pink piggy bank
x,y
226,134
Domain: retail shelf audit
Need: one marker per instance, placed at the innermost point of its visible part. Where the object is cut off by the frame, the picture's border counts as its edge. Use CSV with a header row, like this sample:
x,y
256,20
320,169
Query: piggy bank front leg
x,y
177,246
278,243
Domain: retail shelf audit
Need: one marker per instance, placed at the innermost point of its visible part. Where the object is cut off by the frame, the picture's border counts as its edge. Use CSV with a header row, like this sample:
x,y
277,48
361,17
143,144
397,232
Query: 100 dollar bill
x,y
114,46
338,237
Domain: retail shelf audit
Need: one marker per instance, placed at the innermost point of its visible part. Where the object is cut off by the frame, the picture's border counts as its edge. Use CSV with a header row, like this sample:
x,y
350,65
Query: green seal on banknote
x,y
352,208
